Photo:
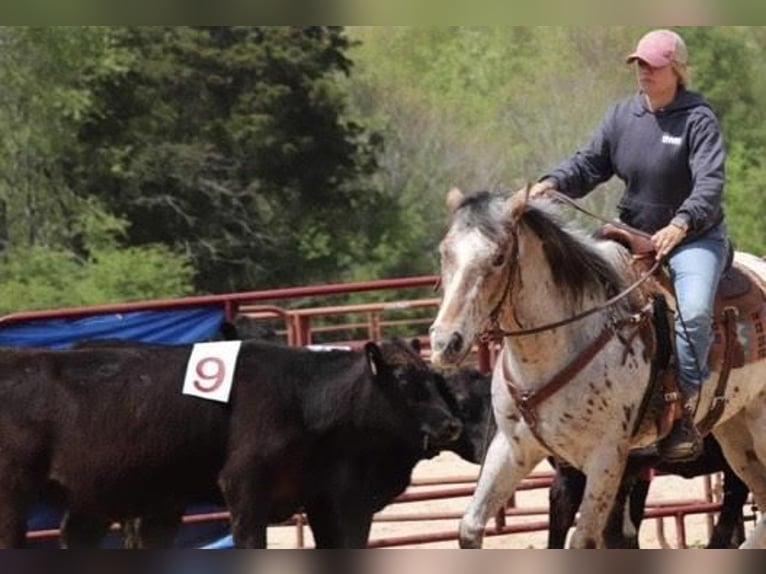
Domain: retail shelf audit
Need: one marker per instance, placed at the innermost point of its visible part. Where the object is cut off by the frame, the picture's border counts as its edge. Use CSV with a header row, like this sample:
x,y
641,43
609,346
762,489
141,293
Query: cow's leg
x,y
13,519
324,519
729,529
509,459
21,482
131,539
604,470
357,529
745,457
82,531
335,528
564,498
245,489
154,530
15,503
340,512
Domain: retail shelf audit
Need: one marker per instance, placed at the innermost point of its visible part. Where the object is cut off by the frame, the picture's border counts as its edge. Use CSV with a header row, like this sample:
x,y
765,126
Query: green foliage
x,y
42,278
35,277
58,249
745,202
232,143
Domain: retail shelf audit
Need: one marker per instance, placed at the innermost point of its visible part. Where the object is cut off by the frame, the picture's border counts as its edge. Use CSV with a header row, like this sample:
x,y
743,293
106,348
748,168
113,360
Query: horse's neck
x,y
536,300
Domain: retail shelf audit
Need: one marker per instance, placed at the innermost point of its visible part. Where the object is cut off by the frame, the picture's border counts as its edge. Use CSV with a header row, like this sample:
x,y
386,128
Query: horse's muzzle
x,y
446,348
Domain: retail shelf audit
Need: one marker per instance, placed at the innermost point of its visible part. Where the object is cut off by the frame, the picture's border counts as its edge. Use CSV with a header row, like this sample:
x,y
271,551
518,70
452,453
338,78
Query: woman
x,y
665,144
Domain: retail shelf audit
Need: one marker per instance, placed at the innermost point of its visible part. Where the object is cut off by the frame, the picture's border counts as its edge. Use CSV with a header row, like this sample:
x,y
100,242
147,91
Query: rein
x,y
557,195
496,332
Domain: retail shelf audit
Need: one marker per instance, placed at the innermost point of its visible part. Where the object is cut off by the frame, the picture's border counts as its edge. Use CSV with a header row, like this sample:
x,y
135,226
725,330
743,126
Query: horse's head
x,y
475,267
511,261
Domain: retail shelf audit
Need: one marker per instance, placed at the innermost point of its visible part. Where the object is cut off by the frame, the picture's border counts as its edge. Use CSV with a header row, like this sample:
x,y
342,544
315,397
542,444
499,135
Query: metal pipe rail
x,y
272,304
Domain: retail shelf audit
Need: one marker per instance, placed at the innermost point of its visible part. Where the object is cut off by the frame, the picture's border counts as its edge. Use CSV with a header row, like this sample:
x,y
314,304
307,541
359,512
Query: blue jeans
x,y
695,270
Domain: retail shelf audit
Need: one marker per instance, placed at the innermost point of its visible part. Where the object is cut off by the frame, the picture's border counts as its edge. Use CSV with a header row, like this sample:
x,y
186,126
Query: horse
x,y
576,361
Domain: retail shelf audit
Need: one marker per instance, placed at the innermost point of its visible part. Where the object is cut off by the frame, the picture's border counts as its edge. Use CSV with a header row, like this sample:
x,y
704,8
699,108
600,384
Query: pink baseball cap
x,y
659,48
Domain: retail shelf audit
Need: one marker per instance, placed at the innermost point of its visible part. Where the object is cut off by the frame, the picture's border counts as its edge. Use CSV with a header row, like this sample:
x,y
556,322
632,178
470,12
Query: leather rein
x,y
495,332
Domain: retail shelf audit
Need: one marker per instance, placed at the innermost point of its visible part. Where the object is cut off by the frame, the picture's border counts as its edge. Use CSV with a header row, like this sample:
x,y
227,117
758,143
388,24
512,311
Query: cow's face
x,y
470,392
414,387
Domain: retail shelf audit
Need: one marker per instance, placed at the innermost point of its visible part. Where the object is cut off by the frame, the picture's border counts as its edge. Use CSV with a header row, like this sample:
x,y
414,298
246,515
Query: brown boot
x,y
684,442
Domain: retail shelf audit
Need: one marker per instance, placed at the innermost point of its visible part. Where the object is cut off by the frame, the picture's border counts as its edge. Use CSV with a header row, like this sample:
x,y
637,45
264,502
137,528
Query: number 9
x,y
211,372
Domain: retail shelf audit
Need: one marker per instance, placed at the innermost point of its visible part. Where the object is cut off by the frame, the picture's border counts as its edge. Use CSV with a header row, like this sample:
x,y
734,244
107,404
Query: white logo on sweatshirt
x,y
671,140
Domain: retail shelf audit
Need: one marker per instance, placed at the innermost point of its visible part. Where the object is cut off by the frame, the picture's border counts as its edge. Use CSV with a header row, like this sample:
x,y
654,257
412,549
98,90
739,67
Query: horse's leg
x,y
509,459
729,530
564,498
604,470
746,456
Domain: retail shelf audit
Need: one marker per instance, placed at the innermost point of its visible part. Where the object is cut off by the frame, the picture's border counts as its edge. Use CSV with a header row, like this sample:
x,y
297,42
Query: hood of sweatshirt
x,y
684,100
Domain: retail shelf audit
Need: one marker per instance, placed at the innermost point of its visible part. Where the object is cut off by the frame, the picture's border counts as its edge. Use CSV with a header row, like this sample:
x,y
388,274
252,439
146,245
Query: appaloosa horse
x,y
569,382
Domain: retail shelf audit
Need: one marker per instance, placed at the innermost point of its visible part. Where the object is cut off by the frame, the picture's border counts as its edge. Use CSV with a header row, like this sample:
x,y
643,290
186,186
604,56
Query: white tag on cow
x,y
320,348
210,370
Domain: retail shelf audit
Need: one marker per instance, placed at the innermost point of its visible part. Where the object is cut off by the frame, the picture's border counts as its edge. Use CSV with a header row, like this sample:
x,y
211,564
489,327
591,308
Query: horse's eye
x,y
498,260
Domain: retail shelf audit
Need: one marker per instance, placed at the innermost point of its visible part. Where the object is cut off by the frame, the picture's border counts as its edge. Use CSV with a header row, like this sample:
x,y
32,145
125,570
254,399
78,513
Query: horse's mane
x,y
575,262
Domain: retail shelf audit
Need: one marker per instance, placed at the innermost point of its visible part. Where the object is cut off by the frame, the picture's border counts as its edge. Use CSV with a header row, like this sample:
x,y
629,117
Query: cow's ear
x,y
374,358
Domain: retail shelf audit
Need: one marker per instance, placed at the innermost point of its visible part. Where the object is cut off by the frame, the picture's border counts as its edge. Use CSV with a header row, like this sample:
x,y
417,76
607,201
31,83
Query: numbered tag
x,y
320,348
210,371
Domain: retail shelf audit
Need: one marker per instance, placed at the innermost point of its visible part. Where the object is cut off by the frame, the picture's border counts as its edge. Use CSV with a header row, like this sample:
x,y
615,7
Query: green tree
x,y
34,276
232,144
51,251
43,71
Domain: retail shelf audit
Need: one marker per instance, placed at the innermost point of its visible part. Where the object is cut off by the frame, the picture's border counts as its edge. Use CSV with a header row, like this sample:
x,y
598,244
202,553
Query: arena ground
x,y
655,533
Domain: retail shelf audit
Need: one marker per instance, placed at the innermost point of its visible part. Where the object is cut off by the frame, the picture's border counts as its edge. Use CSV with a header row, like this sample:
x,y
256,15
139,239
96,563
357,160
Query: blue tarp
x,y
183,326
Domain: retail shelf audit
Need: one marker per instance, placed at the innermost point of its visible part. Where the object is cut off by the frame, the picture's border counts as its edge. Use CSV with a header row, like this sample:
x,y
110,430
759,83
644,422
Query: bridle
x,y
513,269
495,332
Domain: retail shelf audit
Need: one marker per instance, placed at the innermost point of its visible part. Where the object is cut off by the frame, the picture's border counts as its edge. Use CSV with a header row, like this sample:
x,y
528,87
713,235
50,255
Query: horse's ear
x,y
454,199
517,204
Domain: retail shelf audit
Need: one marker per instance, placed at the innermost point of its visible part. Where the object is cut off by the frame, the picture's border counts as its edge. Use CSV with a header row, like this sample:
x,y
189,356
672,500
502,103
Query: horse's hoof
x,y
469,538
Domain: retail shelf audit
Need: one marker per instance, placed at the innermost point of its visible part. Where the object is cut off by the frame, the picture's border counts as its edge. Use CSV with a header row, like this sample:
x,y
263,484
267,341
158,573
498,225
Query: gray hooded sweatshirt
x,y
671,161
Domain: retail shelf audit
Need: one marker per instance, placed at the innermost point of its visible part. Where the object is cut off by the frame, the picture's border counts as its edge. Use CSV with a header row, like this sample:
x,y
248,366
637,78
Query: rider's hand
x,y
667,238
539,189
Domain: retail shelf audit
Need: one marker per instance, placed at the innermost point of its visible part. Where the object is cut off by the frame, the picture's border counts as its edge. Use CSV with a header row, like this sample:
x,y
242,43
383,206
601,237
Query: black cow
x,y
470,398
470,395
467,395
337,433
567,489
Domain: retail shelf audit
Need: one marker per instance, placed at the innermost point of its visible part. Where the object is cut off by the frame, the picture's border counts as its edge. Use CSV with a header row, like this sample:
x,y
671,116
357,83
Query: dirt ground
x,y
655,533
